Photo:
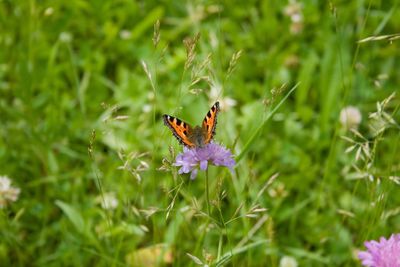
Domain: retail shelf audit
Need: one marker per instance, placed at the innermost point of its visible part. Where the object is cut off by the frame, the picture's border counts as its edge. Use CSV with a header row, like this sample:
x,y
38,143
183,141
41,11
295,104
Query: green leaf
x,y
73,215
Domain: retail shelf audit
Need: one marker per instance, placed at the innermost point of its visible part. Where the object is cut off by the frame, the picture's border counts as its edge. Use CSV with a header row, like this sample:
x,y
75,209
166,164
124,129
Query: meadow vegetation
x,y
309,107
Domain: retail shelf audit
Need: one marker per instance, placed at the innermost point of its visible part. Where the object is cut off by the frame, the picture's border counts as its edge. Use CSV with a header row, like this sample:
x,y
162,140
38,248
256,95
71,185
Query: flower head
x,y
350,117
288,261
294,11
7,192
385,253
211,153
216,93
108,201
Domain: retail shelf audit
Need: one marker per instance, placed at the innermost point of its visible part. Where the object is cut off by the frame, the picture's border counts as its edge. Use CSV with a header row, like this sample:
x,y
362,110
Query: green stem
x,y
220,246
207,195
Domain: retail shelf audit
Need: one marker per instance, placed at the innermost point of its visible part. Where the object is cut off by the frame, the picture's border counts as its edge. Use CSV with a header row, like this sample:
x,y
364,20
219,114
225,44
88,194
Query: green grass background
x,y
68,68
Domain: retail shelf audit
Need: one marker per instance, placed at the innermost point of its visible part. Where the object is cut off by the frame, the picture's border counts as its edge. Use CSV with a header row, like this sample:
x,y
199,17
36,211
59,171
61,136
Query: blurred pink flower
x,y
385,253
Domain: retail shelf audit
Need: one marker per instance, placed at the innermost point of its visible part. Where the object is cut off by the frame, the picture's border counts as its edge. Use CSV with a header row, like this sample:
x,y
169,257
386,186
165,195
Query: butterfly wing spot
x,y
210,123
180,129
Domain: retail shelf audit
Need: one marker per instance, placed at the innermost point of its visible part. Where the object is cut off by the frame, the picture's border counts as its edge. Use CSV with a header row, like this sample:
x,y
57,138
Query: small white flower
x,y
350,117
288,261
7,192
65,37
146,108
108,201
48,11
225,102
297,17
294,11
125,34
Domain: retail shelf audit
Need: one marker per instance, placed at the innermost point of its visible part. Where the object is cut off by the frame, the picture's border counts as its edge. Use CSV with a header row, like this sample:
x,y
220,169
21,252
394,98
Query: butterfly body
x,y
198,136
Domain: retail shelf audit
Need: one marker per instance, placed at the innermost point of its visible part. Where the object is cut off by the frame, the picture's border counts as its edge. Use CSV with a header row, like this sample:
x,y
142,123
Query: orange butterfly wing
x,y
180,129
210,123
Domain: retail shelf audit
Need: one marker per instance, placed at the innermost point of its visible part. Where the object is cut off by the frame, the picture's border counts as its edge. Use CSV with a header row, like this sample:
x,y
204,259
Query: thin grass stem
x,y
208,195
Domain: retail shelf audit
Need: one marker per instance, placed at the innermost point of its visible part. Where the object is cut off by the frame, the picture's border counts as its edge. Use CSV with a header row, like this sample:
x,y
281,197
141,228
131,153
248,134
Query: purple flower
x,y
201,156
385,253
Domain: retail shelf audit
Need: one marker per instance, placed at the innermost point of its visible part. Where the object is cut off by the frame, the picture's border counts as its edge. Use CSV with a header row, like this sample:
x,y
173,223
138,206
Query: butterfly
x,y
197,136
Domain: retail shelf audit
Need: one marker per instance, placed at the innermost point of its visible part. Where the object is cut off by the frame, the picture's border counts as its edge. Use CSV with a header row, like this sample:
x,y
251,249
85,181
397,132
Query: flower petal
x,y
193,174
203,165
